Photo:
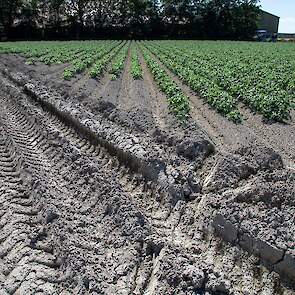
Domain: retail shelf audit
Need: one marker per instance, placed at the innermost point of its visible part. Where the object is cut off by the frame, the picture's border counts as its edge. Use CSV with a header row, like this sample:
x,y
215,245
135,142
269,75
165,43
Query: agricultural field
x,y
147,167
225,75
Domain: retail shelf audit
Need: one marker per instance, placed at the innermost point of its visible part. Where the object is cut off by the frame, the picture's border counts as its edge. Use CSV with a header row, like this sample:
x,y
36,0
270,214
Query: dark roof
x,y
269,13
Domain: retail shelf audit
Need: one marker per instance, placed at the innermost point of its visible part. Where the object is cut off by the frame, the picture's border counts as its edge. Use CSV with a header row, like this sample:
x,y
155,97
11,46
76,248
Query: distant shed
x,y
268,22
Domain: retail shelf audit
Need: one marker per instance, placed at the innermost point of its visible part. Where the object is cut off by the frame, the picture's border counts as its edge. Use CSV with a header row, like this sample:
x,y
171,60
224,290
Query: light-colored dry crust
x,y
104,192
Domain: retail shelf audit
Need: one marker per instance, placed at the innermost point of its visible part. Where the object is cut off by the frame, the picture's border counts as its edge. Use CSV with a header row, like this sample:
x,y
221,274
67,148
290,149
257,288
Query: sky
x,y
285,9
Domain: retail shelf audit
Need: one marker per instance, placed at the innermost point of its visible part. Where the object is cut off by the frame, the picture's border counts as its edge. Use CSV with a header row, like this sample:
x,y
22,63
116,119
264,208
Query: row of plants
x,y
178,102
80,55
101,64
136,70
58,56
259,75
48,52
88,58
26,48
118,63
205,87
59,53
260,84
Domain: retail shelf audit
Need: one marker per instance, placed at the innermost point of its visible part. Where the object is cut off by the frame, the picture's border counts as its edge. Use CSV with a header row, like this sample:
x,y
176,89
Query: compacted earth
x,y
104,191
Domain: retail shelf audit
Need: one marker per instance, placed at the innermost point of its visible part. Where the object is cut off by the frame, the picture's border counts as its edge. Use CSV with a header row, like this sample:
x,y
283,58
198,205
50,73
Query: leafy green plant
x,y
68,74
136,70
101,64
113,77
223,73
117,65
88,58
178,102
207,89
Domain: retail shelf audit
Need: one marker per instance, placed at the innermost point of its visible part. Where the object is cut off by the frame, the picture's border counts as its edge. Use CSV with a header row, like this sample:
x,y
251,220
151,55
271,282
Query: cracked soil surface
x,y
103,191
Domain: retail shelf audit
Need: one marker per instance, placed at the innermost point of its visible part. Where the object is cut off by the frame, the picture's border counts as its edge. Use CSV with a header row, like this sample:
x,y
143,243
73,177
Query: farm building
x,y
268,22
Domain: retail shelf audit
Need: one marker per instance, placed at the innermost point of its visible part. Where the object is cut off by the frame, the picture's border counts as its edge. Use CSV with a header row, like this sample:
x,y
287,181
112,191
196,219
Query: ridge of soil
x,y
79,216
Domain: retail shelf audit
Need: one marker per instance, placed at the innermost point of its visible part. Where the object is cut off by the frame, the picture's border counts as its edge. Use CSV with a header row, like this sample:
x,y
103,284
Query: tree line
x,y
86,19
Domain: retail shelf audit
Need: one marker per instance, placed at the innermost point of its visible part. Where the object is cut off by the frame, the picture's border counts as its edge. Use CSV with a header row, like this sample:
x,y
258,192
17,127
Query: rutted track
x,y
24,265
44,141
60,185
92,224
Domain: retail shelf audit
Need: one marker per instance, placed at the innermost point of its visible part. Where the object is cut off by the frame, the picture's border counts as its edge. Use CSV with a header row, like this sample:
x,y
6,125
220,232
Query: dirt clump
x,y
100,200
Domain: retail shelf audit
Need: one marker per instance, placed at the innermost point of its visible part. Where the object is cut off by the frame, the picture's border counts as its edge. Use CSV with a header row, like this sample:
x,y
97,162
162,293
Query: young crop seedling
x,y
101,64
224,73
178,102
136,70
117,65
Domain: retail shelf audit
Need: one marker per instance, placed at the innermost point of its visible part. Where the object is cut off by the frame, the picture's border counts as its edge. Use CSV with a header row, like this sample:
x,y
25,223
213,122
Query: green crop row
x,y
227,75
256,84
51,52
87,59
79,54
100,65
178,102
136,70
118,63
261,76
206,88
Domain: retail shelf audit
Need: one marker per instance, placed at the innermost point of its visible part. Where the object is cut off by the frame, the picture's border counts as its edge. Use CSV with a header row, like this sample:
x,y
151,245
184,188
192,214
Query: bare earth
x,y
103,191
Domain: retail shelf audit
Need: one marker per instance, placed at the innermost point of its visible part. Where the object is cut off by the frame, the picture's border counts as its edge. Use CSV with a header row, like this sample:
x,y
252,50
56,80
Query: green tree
x,y
56,12
76,12
230,18
181,13
9,11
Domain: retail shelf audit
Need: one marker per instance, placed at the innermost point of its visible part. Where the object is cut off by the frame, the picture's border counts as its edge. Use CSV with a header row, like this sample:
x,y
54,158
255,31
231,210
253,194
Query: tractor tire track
x,y
84,222
22,266
52,171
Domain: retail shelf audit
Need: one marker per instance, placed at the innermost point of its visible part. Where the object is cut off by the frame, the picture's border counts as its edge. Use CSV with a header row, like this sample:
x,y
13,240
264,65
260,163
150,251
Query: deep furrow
x,y
35,157
21,219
